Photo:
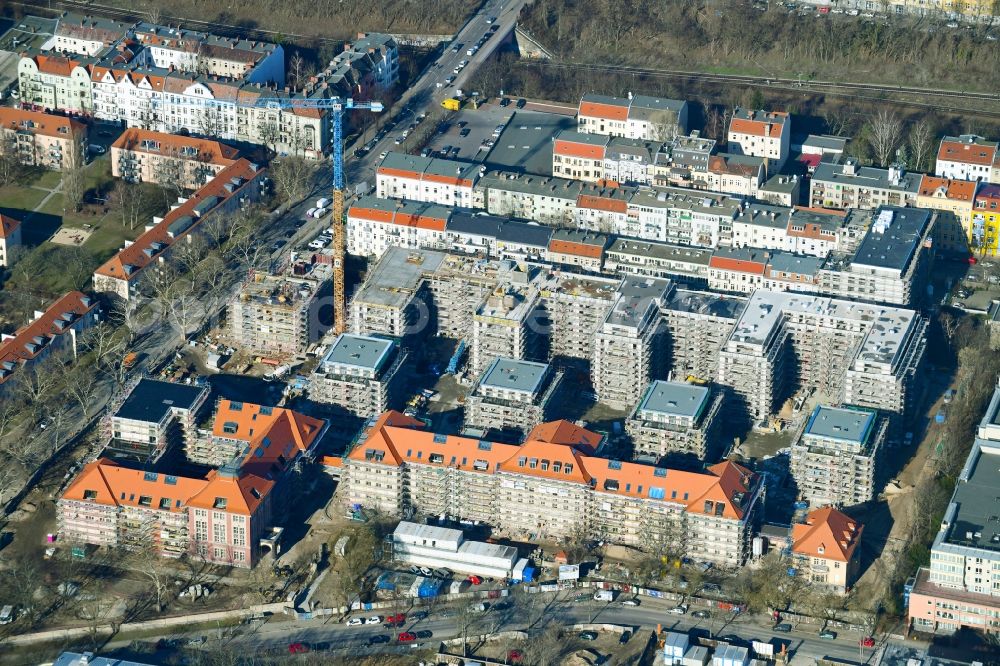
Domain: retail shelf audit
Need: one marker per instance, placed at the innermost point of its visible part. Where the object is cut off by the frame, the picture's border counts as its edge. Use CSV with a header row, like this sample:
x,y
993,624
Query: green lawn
x,y
54,206
14,198
48,179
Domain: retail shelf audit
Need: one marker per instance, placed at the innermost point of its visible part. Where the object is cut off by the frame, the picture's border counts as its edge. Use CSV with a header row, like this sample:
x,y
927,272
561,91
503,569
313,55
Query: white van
x,y
322,202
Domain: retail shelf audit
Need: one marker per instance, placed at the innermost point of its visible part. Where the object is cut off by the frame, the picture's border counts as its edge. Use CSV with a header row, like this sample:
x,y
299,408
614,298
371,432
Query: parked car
x,y
381,638
626,635
491,19
309,213
397,620
96,149
679,610
355,622
588,635
630,602
701,614
504,102
423,633
868,642
465,132
475,580
298,648
829,635
783,627
374,619
521,103
406,637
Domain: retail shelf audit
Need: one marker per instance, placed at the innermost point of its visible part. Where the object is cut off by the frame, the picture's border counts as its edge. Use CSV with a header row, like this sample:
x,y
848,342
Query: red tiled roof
x,y
967,153
602,203
55,321
206,150
574,149
738,265
829,530
956,190
46,124
607,111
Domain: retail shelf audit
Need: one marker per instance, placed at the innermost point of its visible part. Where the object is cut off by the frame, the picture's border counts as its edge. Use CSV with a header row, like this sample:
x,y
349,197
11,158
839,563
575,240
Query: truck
x,y
452,104
604,595
130,359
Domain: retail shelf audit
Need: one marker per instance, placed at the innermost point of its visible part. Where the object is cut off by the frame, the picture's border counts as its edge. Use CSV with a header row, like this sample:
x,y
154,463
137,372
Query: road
x,y
424,94
804,645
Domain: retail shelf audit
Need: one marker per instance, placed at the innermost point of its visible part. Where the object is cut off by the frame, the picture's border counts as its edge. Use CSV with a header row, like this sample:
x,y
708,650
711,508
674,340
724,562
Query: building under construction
x,y
676,419
854,353
360,373
505,325
629,345
511,397
278,315
699,322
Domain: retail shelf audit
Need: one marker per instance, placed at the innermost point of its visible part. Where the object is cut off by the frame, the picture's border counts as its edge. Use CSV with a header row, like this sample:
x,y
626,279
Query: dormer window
x,y
821,550
220,503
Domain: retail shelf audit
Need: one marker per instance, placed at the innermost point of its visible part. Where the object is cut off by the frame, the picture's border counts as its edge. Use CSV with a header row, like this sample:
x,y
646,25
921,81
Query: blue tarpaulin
x,y
529,574
431,587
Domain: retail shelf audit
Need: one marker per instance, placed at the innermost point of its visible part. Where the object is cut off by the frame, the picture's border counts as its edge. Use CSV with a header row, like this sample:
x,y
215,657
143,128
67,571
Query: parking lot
x,y
468,129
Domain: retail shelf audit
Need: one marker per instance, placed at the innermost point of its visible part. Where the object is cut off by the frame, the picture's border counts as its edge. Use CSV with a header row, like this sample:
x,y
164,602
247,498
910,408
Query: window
x,y
150,476
235,406
170,480
92,494
230,427
568,469
521,462
164,502
266,411
220,503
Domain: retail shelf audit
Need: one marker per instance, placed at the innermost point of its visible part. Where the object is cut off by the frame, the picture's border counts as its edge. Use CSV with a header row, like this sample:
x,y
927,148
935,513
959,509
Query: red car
x,y
868,642
475,580
407,637
298,648
514,656
396,620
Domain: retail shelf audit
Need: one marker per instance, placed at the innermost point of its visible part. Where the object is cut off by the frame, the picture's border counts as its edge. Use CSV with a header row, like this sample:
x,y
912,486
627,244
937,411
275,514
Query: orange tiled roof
x,y
105,482
207,150
399,218
58,65
967,153
32,339
574,149
739,265
770,125
607,111
566,432
146,248
8,226
602,203
830,530
274,435
235,493
578,249
956,190
42,123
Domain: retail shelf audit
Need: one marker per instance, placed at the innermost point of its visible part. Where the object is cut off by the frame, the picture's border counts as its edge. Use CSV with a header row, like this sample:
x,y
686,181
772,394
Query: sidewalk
x,y
161,623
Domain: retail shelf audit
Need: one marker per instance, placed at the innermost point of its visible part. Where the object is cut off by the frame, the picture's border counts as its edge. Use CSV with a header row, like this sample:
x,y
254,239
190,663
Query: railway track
x,y
870,92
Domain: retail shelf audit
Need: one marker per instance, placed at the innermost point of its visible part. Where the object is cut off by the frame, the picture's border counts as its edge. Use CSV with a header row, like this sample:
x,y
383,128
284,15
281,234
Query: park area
x,y
67,234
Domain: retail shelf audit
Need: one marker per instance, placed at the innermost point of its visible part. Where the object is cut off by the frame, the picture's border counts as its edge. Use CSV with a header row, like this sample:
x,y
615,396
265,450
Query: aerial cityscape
x,y
536,332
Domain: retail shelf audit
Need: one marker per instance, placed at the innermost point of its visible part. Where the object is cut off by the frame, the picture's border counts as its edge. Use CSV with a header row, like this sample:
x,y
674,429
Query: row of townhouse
x,y
226,516
173,80
553,486
973,10
144,156
773,247
41,139
57,329
236,186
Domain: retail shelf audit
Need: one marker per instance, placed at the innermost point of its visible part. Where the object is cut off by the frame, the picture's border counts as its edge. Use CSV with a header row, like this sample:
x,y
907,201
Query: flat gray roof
x,y
657,250
151,399
525,145
359,351
675,398
707,303
397,275
976,502
893,238
845,423
636,296
797,264
514,375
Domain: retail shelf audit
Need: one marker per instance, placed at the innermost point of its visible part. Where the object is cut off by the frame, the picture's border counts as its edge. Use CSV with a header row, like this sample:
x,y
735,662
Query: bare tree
x,y
211,122
10,165
293,177
129,199
295,65
883,135
838,121
664,125
74,187
171,175
920,143
147,562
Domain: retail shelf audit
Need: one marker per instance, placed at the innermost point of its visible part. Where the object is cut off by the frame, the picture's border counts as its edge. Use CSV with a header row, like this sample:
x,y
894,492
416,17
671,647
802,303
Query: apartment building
x,y
428,179
680,263
10,239
359,373
679,216
84,35
236,186
374,225
550,201
634,117
490,236
152,417
52,81
506,325
223,517
761,226
746,269
848,185
43,140
604,211
57,329
578,249
961,587
950,196
579,156
575,307
866,355
143,156
552,486
984,221
510,398
631,161
837,458
676,419
279,314
628,345
825,549
781,190
967,157
683,159
698,325
741,175
170,48
764,134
